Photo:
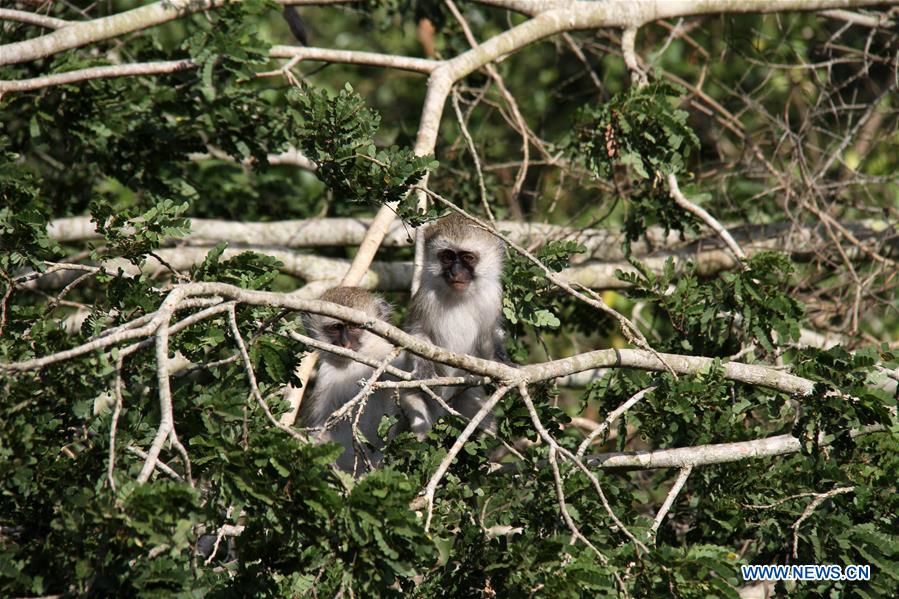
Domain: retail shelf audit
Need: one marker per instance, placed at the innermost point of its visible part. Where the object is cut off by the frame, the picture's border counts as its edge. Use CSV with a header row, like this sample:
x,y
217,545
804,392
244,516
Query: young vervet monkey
x,y
338,378
458,306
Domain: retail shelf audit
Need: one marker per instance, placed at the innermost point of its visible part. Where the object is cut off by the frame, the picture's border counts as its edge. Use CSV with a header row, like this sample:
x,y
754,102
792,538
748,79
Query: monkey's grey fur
x,y
338,378
458,306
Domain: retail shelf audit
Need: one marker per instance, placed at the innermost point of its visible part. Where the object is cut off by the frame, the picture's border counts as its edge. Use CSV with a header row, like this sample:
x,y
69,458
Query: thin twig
x,y
351,354
453,412
669,500
117,391
613,415
159,463
254,387
706,218
544,434
521,125
472,149
92,73
31,18
225,530
807,512
362,396
444,465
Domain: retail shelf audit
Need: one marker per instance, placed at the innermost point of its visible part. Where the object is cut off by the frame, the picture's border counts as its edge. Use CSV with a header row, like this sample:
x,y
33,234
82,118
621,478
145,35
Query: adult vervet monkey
x,y
458,306
338,379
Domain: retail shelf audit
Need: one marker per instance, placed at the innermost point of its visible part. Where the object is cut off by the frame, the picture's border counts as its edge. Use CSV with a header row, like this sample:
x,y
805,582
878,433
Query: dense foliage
x,y
143,155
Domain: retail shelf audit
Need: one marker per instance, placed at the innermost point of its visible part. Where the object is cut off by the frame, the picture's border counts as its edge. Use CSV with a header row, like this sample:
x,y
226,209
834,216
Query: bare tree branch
x,y
431,487
705,217
682,477
751,374
612,417
107,72
403,63
22,16
705,455
809,510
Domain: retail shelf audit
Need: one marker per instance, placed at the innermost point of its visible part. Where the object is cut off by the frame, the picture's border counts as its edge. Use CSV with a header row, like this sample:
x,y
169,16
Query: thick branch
x,y
603,245
751,374
88,32
83,33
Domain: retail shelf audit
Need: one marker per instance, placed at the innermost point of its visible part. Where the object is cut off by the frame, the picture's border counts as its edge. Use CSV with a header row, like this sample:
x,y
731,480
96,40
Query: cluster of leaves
x,y
691,410
719,317
338,134
65,528
133,236
760,501
132,141
528,293
227,45
533,304
501,534
844,397
23,219
642,130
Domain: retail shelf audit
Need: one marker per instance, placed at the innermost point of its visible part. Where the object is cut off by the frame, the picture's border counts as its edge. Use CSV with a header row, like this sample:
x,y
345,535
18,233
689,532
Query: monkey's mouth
x,y
460,285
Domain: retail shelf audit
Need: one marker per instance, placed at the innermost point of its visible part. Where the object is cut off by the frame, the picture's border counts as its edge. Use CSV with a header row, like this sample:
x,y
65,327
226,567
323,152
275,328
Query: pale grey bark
x,y
24,16
700,455
392,61
82,33
601,245
107,72
596,268
705,455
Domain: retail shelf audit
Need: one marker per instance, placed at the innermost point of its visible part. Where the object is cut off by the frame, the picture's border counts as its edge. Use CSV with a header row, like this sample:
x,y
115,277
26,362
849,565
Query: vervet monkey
x,y
458,306
338,378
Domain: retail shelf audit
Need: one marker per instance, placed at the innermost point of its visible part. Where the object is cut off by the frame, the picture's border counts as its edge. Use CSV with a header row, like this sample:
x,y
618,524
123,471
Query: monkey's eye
x,y
335,327
446,257
469,258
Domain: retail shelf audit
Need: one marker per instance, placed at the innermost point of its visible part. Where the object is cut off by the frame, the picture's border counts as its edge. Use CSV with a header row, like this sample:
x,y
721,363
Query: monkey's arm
x,y
420,411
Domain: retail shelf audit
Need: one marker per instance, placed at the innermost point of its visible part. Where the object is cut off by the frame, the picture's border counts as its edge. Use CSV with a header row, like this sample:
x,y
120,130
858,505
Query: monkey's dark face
x,y
343,335
458,267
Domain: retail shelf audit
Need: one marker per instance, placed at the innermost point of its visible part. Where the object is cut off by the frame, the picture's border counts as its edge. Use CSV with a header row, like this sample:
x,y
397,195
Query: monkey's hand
x,y
419,414
501,355
499,345
423,369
